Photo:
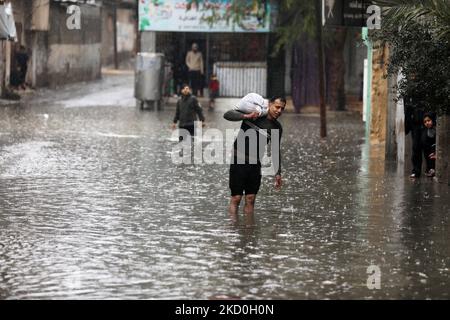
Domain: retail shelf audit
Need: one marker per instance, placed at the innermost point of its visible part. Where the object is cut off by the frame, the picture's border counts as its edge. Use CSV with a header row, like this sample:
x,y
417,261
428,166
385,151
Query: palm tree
x,y
403,12
301,19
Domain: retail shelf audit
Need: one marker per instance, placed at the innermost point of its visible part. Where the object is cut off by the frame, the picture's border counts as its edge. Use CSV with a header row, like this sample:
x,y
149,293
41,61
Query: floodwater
x,y
92,207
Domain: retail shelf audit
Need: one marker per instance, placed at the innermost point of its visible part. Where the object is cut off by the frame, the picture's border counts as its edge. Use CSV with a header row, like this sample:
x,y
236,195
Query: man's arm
x,y
234,115
278,181
177,113
188,60
201,63
279,153
198,109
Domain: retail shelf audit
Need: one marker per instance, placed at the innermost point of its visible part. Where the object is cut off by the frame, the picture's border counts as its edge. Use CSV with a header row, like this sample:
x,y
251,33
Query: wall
x,y
391,122
2,67
288,71
126,35
354,55
379,96
107,35
40,17
443,149
19,19
126,32
148,41
31,21
37,71
73,55
7,54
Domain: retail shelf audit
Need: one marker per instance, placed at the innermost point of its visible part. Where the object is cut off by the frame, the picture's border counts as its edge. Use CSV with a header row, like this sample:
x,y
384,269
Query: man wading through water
x,y
188,108
245,169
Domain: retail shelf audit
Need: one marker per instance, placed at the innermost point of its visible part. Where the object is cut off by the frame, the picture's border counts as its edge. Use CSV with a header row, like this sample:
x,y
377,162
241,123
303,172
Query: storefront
x,y
236,52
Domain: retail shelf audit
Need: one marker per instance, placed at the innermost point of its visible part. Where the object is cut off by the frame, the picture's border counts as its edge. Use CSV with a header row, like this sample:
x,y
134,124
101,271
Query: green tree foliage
x,y
404,12
295,17
418,34
424,61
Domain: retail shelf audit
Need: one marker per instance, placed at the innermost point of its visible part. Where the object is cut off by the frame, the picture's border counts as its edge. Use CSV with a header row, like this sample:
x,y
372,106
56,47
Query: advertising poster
x,y
173,15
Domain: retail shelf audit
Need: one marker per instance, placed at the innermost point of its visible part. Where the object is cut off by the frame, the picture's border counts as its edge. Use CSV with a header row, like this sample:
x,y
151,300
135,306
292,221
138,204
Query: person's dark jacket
x,y
428,140
188,109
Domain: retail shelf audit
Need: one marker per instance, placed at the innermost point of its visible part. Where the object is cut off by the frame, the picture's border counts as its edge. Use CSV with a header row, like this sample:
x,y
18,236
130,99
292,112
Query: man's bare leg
x,y
234,204
249,203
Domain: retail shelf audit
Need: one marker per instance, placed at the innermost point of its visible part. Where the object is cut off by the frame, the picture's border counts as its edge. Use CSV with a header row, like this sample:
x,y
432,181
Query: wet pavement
x,y
91,207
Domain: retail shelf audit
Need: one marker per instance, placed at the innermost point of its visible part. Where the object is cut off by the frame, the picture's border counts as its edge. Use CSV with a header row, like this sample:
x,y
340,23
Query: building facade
x,y
238,52
69,40
119,32
63,39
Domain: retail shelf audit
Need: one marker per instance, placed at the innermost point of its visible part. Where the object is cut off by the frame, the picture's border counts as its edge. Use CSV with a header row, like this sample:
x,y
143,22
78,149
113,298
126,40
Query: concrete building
x,y
119,31
63,39
237,52
69,40
7,35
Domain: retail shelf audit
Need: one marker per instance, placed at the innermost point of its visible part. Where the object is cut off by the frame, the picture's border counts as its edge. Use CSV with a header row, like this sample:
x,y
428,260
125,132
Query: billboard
x,y
347,13
173,15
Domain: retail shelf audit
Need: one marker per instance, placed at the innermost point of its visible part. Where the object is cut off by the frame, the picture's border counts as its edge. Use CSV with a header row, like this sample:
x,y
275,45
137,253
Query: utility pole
x,y
2,62
2,70
116,59
138,32
323,110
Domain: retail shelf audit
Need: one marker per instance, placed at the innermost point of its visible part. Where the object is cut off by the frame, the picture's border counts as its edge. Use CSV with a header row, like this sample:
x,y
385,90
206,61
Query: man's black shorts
x,y
245,178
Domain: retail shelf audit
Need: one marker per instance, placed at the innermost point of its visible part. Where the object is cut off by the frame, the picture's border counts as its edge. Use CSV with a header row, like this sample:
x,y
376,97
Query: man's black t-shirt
x,y
263,129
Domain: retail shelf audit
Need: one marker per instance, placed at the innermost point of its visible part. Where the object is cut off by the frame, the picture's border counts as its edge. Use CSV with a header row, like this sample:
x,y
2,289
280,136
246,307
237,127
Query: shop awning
x,y
7,24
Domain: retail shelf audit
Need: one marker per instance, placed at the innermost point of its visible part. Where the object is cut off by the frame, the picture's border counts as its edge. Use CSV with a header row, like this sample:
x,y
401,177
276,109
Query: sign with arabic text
x,y
174,15
347,13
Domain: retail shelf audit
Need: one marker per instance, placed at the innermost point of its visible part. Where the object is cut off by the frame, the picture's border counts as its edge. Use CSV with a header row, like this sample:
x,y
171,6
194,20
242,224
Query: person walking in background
x,y
22,58
213,91
188,108
194,62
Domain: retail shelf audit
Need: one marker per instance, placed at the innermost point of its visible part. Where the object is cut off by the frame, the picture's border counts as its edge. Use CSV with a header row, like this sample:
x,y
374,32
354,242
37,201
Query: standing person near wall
x,y
22,58
194,62
429,143
414,123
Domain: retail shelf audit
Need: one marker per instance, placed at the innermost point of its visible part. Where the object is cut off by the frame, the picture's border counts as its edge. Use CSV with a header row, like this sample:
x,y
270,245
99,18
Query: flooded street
x,y
92,207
